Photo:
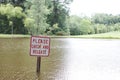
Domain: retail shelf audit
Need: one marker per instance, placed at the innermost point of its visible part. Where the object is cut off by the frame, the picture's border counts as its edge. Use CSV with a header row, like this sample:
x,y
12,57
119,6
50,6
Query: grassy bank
x,y
13,36
109,35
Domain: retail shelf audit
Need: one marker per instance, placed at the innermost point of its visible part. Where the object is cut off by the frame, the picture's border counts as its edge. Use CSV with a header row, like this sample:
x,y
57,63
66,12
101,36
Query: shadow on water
x,y
70,59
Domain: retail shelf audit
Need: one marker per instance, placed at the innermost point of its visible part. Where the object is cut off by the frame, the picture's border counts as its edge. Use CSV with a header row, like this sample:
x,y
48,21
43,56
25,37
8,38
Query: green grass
x,y
109,35
13,36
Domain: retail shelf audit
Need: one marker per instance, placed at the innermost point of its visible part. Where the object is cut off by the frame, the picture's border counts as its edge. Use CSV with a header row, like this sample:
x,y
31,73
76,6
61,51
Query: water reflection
x,y
93,59
70,59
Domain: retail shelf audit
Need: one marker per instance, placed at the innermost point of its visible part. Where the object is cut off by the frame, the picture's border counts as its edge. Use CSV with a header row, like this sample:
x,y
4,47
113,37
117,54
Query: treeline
x,y
34,16
51,17
98,23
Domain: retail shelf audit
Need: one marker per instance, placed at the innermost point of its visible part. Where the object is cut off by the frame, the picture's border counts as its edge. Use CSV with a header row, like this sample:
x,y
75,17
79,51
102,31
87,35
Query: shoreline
x,y
109,35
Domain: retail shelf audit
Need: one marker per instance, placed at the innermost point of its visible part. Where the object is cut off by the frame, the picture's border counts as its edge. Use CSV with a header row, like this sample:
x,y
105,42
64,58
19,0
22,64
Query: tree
x,y
59,12
80,26
73,23
85,27
100,28
117,27
106,19
19,3
37,13
11,17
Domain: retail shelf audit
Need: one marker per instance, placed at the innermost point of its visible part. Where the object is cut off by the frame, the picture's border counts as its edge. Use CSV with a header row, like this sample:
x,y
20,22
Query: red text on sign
x,y
40,41
39,51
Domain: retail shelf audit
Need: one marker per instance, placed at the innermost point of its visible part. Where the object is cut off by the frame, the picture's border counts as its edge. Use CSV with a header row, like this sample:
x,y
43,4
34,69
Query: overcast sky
x,y
89,7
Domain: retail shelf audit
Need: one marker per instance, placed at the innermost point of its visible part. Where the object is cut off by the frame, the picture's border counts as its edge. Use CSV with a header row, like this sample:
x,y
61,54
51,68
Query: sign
x,y
39,46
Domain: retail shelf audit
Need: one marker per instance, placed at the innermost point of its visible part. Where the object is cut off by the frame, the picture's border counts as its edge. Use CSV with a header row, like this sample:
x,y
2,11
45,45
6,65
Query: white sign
x,y
39,46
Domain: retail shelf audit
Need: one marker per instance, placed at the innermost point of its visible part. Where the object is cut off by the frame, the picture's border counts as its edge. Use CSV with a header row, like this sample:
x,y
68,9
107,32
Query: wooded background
x,y
51,17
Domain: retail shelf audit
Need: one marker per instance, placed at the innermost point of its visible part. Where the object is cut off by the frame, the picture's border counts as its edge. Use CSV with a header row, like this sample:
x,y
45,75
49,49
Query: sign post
x,y
38,64
40,47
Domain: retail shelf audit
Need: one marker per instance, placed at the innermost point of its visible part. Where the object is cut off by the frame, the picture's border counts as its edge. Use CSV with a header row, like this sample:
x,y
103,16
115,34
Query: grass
x,y
109,35
13,36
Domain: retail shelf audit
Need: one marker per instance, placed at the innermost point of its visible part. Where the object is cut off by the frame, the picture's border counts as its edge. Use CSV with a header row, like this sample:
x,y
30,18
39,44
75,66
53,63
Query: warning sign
x,y
39,46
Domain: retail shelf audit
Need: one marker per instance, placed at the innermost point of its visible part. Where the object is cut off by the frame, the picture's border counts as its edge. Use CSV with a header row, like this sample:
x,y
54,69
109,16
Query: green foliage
x,y
19,3
52,18
73,23
59,12
106,19
4,22
11,18
28,24
99,23
85,27
79,26
55,28
100,28
117,27
61,33
37,14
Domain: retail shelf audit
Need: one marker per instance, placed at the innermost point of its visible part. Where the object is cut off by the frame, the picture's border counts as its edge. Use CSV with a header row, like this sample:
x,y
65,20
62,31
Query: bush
x,y
60,33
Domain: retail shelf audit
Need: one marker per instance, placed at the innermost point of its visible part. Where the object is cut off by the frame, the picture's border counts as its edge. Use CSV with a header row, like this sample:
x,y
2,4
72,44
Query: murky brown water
x,y
70,59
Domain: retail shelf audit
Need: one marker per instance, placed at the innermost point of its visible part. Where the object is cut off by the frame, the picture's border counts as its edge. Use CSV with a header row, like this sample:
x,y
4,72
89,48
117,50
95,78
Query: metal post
x,y
38,64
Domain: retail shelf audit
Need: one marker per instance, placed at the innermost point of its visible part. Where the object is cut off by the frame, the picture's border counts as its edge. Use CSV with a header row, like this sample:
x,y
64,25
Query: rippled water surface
x,y
70,59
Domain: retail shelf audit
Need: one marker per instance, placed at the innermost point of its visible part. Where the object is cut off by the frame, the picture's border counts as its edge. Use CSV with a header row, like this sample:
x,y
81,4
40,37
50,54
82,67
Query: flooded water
x,y
70,59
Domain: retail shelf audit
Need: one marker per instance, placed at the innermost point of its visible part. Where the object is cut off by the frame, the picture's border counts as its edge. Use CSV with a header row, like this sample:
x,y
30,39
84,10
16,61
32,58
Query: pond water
x,y
69,59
